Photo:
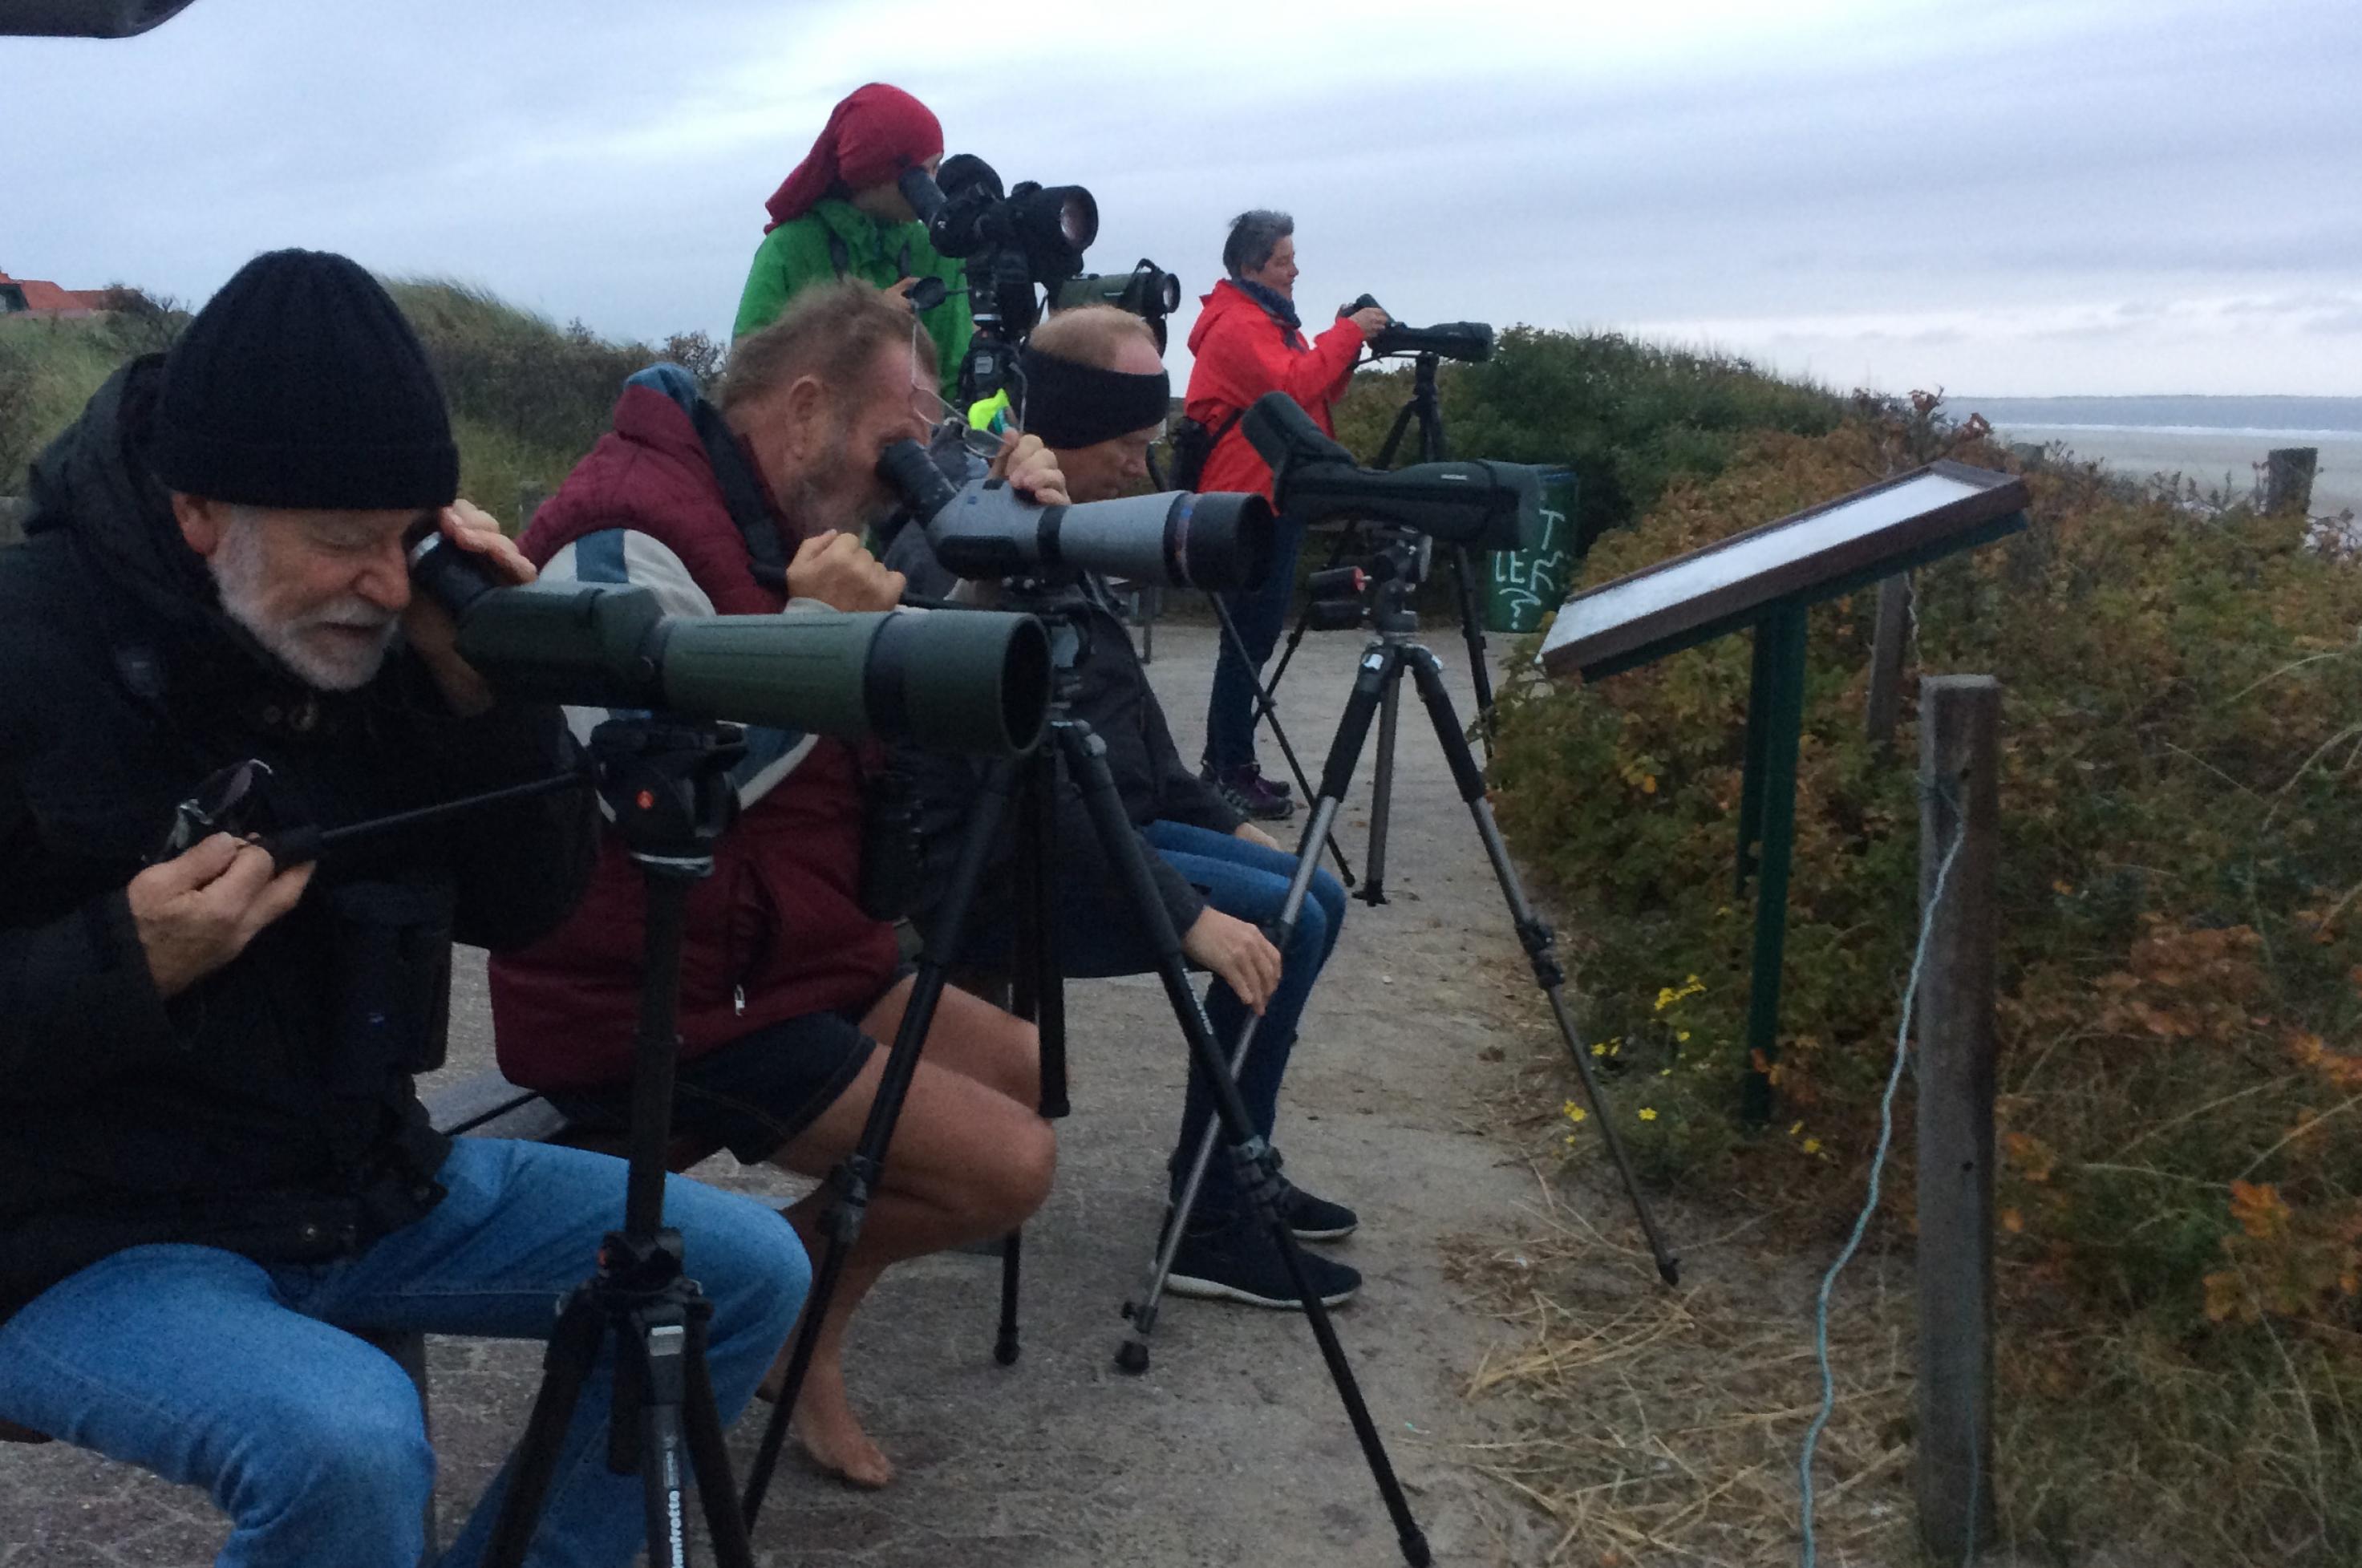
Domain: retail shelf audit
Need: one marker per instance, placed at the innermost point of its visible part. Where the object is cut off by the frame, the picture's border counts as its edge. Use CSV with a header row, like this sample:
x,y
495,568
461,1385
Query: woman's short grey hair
x,y
1253,237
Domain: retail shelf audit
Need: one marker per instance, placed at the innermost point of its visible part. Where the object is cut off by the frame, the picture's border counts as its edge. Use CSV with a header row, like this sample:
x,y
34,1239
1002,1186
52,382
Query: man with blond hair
x,y
755,505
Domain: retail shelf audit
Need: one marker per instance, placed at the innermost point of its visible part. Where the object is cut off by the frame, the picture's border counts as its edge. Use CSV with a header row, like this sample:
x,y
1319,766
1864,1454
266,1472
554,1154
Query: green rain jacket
x,y
796,254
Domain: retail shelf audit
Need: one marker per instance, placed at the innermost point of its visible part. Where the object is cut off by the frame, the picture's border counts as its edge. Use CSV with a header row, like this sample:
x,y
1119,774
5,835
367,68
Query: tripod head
x,y
666,784
1380,591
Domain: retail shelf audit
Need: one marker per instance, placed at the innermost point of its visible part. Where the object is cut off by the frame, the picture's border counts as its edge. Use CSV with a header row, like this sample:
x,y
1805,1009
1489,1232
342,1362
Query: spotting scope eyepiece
x,y
983,530
1485,505
974,682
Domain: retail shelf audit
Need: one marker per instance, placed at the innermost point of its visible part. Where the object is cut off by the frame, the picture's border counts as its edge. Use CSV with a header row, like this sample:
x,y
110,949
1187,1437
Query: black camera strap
x,y
841,258
741,493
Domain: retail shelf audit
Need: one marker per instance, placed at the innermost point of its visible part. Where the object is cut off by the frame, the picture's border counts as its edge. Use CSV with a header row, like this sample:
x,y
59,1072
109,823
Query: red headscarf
x,y
871,137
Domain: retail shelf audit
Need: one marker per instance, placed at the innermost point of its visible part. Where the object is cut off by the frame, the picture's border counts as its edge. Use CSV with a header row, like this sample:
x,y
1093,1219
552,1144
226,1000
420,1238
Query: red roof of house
x,y
42,298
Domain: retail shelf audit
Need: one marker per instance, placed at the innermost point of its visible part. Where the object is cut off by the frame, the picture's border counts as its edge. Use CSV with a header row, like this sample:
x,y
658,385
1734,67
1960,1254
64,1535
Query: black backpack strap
x,y
742,491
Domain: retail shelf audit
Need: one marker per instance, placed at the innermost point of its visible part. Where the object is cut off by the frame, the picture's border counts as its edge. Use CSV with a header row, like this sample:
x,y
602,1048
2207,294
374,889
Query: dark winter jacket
x,y
1112,695
1243,352
776,930
251,1111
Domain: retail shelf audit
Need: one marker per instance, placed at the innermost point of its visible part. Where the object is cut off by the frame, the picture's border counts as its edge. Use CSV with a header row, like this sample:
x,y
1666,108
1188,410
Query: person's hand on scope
x,y
1371,320
834,569
1238,953
197,910
428,627
1032,470
901,288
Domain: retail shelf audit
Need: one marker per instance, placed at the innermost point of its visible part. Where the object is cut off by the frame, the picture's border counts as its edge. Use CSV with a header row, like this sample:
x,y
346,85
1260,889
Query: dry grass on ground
x,y
1663,1426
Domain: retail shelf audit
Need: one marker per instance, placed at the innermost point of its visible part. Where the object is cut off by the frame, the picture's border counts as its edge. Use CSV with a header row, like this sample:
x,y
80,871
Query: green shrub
x,y
527,397
2180,909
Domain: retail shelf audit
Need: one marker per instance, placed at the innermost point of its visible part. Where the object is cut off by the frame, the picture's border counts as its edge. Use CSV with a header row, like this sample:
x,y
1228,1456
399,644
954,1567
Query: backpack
x,y
1192,444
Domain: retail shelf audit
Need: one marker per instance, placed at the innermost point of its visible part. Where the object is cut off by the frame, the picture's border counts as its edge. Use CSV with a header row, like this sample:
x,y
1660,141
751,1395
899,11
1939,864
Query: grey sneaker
x,y
1250,793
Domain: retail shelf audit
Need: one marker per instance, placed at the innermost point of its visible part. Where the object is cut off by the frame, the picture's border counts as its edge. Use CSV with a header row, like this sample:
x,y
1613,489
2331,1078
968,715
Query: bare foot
x,y
825,1423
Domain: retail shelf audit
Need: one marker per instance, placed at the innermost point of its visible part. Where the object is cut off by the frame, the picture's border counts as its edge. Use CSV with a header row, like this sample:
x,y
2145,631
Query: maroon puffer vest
x,y
775,931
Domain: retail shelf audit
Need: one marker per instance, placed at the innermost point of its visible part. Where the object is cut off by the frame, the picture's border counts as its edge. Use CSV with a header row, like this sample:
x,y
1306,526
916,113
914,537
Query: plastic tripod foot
x,y
1004,1349
1131,1357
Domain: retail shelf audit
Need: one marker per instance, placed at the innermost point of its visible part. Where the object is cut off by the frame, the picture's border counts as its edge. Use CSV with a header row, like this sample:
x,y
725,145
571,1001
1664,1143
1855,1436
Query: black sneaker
x,y
1314,1219
1239,1262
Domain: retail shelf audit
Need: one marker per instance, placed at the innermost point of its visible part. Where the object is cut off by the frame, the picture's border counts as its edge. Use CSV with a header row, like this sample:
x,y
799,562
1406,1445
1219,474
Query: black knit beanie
x,y
300,384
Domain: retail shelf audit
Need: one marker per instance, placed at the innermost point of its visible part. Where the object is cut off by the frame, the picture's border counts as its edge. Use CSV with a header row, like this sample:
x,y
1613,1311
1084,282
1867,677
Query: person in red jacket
x,y
1248,341
786,984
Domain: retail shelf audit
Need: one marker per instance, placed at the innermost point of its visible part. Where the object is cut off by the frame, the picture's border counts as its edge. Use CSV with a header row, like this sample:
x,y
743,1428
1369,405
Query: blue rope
x,y
1870,1204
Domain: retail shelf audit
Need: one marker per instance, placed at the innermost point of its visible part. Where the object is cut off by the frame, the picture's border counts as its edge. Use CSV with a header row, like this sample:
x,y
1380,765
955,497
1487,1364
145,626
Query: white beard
x,y
323,663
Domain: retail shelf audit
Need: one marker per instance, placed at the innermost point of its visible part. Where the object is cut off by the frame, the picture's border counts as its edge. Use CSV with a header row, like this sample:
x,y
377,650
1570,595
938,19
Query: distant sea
x,y
2216,441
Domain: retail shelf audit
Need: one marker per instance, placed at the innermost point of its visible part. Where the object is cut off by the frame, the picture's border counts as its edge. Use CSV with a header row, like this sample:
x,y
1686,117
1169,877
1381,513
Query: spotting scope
x,y
1470,342
984,530
976,682
1485,505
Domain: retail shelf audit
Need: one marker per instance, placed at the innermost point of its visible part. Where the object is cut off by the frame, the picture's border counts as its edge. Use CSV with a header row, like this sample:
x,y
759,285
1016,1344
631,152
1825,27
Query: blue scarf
x,y
1276,305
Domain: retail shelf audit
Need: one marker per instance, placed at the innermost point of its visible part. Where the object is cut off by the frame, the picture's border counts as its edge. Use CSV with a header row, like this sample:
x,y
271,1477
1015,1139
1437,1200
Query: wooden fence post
x,y
1959,729
2287,478
1886,660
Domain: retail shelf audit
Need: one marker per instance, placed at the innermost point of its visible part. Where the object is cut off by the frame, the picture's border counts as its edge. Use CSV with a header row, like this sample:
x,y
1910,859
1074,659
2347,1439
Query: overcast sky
x,y
2103,196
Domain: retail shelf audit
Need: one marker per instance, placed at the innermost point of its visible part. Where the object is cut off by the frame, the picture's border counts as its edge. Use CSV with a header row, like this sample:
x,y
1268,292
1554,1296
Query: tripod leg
x,y
708,1451
1039,981
1271,715
1086,755
857,1176
1379,673
662,1336
1004,1342
1133,1354
1533,933
565,1366
1382,791
1386,458
1040,994
1472,632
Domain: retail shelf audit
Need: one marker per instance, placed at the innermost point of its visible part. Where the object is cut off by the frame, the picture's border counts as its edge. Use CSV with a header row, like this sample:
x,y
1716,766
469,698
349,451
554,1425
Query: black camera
x,y
1029,239
968,215
1490,506
1470,342
983,530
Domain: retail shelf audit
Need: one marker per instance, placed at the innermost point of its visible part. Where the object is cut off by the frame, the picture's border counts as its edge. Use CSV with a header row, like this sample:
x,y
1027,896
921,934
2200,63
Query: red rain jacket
x,y
1242,353
776,930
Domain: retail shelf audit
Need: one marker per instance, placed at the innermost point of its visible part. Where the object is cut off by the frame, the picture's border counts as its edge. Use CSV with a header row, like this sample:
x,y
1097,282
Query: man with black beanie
x,y
214,1169
1095,393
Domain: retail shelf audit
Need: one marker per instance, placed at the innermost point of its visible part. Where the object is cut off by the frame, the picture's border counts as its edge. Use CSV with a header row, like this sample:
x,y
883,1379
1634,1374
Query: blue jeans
x,y
219,1372
1247,882
1258,613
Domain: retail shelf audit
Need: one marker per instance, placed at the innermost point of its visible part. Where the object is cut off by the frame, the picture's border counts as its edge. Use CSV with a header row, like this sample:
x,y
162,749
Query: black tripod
x,y
1392,649
665,785
1427,408
1082,756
